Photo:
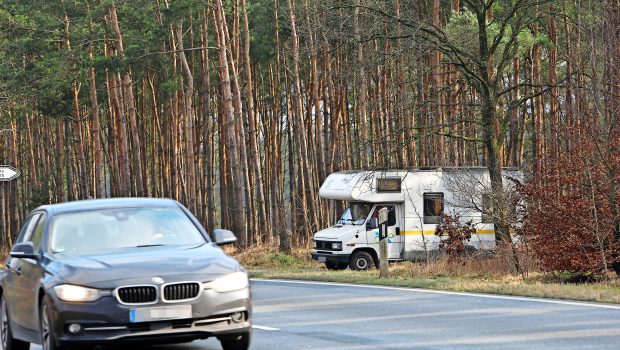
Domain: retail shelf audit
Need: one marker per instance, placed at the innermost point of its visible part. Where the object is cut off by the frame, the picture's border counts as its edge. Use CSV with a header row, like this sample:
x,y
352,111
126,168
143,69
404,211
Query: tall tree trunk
x,y
82,165
96,126
360,88
538,137
127,89
489,132
238,221
120,137
188,111
305,170
253,133
554,104
207,125
284,234
436,72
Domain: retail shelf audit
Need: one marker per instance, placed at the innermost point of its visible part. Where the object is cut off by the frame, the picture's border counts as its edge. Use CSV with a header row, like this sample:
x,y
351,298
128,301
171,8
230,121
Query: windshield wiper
x,y
148,245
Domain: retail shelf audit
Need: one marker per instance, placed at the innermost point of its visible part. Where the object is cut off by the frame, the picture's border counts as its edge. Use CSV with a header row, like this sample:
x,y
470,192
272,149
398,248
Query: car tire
x,y
335,265
361,261
239,341
6,337
46,328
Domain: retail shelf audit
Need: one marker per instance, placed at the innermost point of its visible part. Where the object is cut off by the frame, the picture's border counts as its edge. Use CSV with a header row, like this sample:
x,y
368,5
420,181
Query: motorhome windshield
x,y
355,214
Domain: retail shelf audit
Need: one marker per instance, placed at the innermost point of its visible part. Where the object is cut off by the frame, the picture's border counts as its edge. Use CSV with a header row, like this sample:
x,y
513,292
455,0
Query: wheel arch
x,y
369,250
40,296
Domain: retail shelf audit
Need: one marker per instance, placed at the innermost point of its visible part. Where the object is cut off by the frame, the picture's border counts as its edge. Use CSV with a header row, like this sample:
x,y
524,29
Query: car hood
x,y
139,265
339,231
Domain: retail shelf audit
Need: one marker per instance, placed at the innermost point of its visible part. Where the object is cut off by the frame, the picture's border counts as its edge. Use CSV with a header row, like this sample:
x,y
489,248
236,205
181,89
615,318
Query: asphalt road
x,y
298,315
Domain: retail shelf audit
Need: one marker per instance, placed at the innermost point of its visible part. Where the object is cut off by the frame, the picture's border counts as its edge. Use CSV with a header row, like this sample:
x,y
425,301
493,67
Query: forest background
x,y
240,109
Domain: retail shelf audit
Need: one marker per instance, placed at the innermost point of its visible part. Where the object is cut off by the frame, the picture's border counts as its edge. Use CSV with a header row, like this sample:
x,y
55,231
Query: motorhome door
x,y
395,242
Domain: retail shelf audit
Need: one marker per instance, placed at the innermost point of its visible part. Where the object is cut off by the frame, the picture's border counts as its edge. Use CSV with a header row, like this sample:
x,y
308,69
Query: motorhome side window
x,y
389,184
433,207
391,214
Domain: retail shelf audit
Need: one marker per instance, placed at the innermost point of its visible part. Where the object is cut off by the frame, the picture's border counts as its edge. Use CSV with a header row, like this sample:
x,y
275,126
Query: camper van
x,y
415,200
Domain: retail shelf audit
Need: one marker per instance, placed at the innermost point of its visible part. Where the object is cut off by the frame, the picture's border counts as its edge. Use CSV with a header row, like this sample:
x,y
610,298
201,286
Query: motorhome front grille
x,y
181,291
328,245
137,294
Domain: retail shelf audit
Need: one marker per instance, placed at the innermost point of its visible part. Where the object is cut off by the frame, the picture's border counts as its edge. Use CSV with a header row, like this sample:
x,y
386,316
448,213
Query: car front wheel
x,y
47,330
8,342
236,342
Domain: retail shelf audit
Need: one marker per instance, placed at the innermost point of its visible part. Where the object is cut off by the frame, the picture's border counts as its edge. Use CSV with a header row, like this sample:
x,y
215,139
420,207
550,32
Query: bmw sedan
x,y
118,270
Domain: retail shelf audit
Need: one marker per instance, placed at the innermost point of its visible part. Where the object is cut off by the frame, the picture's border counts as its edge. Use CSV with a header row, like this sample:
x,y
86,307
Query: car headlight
x,y
228,283
68,292
337,246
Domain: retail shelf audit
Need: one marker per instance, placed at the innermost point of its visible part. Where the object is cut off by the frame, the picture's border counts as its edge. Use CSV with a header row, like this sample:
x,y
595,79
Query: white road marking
x,y
421,290
265,328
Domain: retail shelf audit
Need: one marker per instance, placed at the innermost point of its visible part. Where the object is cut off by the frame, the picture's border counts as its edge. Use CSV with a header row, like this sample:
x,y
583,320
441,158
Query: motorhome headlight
x,y
337,245
314,244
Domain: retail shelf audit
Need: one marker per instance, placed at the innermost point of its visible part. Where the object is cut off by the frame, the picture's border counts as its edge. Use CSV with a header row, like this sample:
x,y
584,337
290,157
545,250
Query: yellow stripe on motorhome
x,y
432,232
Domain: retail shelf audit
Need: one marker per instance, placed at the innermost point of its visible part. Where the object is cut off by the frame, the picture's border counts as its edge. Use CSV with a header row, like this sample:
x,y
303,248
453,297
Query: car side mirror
x,y
223,237
372,224
24,250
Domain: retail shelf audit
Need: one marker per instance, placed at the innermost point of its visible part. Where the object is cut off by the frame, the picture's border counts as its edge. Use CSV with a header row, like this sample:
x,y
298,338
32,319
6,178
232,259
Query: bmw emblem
x,y
157,280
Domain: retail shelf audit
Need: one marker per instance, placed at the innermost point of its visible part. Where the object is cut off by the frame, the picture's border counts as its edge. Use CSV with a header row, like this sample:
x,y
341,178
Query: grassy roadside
x,y
583,292
476,275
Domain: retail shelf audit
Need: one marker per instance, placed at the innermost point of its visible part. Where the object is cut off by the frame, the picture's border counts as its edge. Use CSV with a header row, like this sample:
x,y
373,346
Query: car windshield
x,y
98,230
355,214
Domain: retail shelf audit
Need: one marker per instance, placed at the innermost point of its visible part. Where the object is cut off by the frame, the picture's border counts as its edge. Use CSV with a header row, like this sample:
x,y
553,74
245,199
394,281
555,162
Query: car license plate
x,y
322,259
160,313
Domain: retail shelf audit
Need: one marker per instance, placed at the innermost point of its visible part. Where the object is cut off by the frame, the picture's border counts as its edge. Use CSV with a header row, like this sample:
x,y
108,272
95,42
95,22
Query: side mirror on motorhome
x,y
372,224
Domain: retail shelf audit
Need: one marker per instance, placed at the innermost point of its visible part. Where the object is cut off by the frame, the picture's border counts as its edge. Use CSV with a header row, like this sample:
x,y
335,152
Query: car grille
x,y
181,291
137,294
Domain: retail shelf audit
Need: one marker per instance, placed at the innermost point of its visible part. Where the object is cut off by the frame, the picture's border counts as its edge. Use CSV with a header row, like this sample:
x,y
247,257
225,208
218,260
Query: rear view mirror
x,y
372,224
223,237
24,250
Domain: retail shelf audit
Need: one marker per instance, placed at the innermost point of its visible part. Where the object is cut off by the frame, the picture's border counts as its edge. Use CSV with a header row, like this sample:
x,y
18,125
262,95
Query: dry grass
x,y
268,257
493,275
4,254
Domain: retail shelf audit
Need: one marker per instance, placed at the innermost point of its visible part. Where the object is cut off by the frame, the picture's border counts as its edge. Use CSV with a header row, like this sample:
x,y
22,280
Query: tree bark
x,y
238,222
127,85
188,111
96,126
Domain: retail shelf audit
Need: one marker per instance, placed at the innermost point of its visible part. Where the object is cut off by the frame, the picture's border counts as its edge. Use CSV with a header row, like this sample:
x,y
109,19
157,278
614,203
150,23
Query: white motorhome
x,y
415,200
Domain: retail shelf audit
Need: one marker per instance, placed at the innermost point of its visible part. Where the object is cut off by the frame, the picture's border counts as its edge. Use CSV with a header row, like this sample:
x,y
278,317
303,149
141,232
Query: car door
x,y
14,269
29,279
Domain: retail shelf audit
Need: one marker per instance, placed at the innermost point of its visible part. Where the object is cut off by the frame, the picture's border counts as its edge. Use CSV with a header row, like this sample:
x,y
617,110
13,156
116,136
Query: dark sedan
x,y
117,270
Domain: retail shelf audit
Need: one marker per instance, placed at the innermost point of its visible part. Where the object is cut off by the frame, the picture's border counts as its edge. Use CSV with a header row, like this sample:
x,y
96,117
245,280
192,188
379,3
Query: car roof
x,y
108,203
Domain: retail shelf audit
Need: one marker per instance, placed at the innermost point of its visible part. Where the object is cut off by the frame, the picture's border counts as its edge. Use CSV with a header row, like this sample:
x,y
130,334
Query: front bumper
x,y
331,258
107,321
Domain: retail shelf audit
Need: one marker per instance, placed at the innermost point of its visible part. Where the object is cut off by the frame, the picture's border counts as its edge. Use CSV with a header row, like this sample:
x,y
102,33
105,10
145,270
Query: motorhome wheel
x,y
361,261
